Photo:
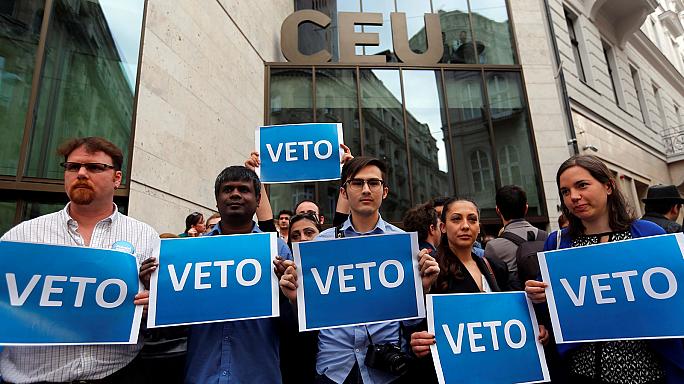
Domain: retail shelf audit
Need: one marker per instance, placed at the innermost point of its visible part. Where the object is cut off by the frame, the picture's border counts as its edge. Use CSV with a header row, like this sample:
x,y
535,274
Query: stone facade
x,y
201,97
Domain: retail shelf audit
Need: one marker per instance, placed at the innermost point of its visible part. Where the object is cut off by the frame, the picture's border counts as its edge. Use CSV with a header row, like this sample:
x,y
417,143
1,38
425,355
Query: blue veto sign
x,y
616,291
58,295
358,280
299,152
214,278
485,338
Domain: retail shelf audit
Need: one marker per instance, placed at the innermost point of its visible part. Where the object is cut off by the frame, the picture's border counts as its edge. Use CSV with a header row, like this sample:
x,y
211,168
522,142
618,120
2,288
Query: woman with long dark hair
x,y
298,349
598,213
460,271
194,225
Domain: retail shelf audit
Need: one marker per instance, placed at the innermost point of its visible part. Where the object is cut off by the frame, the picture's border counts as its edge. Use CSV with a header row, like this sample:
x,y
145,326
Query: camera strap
x,y
370,339
339,234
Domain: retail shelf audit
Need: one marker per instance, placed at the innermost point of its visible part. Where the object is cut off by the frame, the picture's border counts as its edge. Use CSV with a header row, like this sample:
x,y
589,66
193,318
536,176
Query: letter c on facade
x,y
289,37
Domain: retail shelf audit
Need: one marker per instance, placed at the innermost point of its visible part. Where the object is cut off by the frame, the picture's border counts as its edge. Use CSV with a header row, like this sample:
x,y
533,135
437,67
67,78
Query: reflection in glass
x,y
456,35
383,130
7,211
291,96
511,129
385,31
336,102
492,32
429,164
471,142
415,22
313,38
20,23
88,80
34,209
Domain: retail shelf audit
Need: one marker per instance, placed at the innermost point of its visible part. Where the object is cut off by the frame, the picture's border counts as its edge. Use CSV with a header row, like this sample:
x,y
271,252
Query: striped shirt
x,y
75,362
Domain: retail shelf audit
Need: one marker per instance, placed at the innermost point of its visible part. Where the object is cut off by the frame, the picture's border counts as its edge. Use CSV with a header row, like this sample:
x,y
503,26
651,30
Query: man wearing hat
x,y
662,207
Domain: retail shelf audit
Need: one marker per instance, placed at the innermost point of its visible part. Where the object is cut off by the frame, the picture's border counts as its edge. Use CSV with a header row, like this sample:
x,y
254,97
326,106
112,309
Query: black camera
x,y
388,358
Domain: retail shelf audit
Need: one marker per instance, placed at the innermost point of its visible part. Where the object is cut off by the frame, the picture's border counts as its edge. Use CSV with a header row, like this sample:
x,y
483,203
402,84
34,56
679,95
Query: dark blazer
x,y
467,284
423,369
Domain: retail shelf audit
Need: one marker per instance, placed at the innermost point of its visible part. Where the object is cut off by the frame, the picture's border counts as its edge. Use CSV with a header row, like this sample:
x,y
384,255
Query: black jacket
x,y
668,225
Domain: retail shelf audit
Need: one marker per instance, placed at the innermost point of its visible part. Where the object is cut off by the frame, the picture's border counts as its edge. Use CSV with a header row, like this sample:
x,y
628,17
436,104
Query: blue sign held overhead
x,y
56,294
358,280
299,152
485,338
214,278
592,287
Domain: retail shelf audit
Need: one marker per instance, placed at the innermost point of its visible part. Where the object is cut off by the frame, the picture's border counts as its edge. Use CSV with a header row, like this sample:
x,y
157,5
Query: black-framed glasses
x,y
357,184
72,166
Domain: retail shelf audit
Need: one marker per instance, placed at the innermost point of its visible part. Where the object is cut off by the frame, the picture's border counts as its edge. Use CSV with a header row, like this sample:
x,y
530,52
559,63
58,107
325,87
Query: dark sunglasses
x,y
72,166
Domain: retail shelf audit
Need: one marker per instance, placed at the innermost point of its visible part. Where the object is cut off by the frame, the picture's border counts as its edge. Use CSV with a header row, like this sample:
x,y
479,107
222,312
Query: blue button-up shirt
x,y
244,351
340,348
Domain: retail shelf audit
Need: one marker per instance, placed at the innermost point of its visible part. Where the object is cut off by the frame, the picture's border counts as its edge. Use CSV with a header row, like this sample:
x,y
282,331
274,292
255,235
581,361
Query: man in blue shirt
x,y
243,351
342,351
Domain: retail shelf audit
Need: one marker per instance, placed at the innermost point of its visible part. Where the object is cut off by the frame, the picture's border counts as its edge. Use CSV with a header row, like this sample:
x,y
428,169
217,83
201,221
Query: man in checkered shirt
x,y
92,172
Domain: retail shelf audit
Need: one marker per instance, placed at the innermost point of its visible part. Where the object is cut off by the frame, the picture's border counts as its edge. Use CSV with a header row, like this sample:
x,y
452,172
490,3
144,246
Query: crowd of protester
x,y
271,350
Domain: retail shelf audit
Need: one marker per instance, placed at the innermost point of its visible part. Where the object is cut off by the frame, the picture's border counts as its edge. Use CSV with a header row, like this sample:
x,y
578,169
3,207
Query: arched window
x,y
481,169
509,165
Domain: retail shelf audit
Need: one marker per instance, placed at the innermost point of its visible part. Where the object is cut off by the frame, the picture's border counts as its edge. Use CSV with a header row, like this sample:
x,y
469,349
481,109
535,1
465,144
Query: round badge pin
x,y
124,246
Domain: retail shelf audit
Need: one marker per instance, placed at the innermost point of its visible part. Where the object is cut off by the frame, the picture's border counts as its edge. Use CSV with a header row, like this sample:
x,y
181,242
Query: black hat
x,y
663,193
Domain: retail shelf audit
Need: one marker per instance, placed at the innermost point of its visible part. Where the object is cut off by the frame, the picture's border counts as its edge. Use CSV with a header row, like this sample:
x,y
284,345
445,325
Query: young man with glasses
x,y
342,351
92,172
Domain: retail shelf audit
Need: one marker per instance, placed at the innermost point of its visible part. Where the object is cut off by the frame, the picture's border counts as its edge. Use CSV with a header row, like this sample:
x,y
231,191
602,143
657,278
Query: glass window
x,y
659,104
291,102
20,23
512,133
34,209
313,38
509,165
385,31
384,135
640,95
337,102
456,33
430,167
570,20
415,22
7,212
470,140
88,79
612,70
481,169
493,37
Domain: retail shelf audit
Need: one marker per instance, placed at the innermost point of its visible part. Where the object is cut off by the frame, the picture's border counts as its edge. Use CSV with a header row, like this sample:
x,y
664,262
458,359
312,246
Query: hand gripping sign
x,y
299,152
214,278
616,291
358,280
58,295
485,338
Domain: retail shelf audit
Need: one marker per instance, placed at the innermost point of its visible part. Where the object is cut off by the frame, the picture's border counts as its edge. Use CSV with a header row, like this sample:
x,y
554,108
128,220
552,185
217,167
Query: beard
x,y
82,193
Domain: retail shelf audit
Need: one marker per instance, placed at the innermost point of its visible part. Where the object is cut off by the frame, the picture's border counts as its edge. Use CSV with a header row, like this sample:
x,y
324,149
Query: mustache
x,y
81,184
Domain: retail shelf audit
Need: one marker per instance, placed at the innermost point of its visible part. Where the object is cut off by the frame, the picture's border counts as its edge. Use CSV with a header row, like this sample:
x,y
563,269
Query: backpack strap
x,y
515,239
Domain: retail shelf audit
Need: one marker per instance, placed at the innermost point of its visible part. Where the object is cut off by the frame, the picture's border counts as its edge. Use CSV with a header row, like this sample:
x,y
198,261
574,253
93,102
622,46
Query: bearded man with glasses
x,y
92,172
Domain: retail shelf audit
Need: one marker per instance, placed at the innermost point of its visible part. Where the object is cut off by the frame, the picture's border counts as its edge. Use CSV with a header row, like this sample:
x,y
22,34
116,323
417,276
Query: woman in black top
x,y
461,271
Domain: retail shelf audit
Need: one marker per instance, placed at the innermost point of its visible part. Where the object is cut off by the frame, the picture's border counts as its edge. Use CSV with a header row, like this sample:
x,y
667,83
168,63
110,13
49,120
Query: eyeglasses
x,y
72,166
357,184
